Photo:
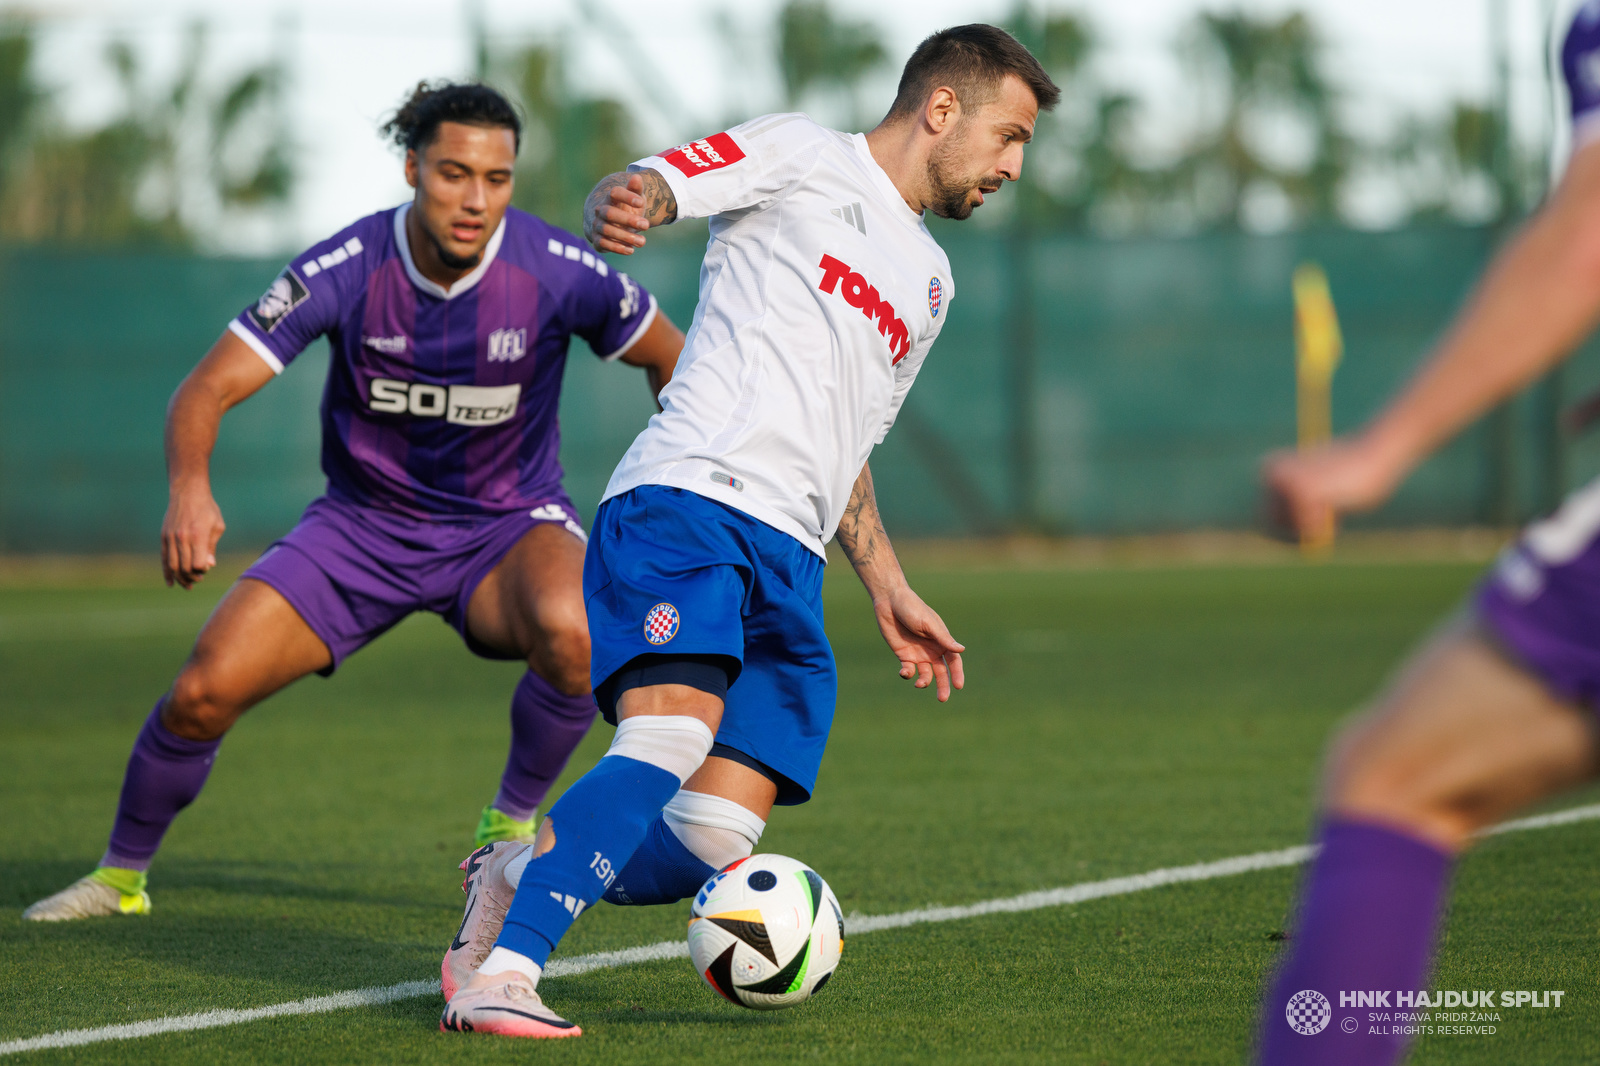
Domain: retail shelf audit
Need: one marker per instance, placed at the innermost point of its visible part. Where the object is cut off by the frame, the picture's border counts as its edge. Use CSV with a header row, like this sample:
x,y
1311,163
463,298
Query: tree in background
x,y
570,139
1447,168
150,175
1087,175
1274,151
817,51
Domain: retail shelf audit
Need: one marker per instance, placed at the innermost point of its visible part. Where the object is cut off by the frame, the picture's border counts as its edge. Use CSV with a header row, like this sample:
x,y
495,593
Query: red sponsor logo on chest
x,y
858,294
705,155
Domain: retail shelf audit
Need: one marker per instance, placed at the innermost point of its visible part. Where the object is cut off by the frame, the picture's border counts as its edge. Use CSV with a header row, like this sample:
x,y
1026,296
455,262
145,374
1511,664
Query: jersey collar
x,y
880,178
433,288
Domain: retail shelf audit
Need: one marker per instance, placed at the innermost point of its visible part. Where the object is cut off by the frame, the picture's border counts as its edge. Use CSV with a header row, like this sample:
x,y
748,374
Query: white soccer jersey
x,y
820,295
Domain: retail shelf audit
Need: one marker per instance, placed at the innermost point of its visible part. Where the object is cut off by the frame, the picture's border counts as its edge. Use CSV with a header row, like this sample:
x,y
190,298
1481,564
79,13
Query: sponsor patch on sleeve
x,y
705,155
285,294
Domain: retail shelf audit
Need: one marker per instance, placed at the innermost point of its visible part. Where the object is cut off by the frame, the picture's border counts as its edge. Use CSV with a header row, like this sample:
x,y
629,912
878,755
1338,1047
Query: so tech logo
x,y
461,405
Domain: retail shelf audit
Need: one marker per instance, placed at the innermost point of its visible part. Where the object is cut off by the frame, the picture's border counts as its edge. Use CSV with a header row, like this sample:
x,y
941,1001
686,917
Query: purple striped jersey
x,y
445,402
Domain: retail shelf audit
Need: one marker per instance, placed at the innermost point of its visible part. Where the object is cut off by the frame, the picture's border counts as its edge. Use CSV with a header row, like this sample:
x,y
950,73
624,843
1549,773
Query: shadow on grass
x,y
24,881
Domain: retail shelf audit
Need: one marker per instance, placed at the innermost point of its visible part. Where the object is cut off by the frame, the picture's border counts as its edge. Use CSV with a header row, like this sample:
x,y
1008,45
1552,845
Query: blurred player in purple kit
x,y
1497,711
449,320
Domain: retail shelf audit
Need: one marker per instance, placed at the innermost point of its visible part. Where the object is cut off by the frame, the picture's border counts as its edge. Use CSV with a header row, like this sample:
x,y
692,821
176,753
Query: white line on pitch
x,y
674,949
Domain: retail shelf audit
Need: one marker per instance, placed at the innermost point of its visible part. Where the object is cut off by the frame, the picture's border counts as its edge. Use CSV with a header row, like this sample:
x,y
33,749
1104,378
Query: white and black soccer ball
x,y
766,932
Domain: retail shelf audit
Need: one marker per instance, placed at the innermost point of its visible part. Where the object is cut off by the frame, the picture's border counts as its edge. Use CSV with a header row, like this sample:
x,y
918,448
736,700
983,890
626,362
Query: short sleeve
x,y
1580,64
749,166
300,305
611,311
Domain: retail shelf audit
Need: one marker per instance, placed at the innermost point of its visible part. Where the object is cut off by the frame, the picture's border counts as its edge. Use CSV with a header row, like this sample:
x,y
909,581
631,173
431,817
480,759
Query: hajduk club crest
x,y
935,296
661,623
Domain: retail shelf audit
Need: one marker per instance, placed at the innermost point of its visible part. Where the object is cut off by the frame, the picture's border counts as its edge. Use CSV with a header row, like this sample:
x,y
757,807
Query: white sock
x,y
717,830
503,960
677,743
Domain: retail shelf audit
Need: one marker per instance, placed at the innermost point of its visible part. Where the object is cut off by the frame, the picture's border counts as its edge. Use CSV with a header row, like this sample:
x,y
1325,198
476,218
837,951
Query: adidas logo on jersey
x,y
857,293
851,213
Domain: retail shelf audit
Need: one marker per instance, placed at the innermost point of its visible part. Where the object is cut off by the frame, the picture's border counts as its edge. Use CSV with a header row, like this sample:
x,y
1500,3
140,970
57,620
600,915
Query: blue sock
x,y
598,823
662,870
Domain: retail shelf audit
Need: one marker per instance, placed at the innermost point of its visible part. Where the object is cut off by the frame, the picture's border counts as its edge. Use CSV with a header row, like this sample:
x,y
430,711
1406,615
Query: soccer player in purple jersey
x,y
1497,711
449,319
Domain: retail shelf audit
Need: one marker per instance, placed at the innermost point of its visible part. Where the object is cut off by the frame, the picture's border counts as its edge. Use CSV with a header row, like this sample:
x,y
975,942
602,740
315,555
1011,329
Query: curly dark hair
x,y
416,122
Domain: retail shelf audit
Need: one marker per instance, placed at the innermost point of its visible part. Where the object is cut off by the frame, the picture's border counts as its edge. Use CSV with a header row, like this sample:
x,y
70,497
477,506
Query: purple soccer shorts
x,y
1542,600
353,572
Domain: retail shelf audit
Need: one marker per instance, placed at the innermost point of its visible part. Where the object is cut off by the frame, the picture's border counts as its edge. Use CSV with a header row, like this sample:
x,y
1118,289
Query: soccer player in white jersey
x,y
821,293
1497,711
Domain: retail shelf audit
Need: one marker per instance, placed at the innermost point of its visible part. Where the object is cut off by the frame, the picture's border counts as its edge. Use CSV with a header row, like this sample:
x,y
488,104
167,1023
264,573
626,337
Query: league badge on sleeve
x,y
661,624
935,296
286,293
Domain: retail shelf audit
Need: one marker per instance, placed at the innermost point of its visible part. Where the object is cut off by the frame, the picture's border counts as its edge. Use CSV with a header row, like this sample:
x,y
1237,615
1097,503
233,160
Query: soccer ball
x,y
766,932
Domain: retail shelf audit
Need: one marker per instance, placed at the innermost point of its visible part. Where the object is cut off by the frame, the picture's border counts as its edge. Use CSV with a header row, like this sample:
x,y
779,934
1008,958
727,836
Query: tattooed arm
x,y
623,205
913,630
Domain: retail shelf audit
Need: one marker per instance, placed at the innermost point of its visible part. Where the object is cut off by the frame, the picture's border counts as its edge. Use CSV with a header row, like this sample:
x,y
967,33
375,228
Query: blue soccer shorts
x,y
670,572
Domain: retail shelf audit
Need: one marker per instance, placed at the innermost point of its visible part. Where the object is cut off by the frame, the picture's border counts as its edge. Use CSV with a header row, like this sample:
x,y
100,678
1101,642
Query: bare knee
x,y
563,657
197,707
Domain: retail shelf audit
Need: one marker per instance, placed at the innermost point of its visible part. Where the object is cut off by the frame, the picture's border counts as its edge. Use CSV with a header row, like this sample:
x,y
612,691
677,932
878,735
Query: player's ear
x,y
942,110
413,167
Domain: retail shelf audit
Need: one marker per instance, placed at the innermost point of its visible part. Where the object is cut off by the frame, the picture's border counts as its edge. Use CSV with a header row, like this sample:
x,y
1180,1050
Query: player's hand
x,y
919,639
615,221
1308,491
189,536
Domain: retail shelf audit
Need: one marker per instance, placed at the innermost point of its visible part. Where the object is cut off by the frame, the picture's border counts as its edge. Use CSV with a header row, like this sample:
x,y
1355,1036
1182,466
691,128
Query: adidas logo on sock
x,y
574,906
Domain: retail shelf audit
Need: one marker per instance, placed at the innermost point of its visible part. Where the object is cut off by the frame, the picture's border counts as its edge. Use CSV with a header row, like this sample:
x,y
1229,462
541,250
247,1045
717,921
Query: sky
x,y
352,61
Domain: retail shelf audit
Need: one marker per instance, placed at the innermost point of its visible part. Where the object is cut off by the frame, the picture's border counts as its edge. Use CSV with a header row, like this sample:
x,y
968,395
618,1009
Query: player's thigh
x,y
253,644
531,603
1462,738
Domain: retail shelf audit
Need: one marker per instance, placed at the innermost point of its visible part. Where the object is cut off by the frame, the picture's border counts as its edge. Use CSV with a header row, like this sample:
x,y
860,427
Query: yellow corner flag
x,y
1318,346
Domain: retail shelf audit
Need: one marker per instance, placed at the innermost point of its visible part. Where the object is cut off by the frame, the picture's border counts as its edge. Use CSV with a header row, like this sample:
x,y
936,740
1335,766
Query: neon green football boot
x,y
498,825
109,890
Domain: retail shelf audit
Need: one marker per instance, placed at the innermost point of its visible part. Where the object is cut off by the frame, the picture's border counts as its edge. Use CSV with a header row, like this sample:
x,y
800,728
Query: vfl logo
x,y
661,624
461,405
508,345
1308,1012
285,294
705,155
857,293
935,296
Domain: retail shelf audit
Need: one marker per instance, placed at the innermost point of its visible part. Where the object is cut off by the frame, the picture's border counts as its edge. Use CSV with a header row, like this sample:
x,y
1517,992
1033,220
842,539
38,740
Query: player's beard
x,y
450,259
949,191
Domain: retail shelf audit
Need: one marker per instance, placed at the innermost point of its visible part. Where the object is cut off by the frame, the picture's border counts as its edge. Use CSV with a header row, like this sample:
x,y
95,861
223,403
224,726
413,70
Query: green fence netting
x,y
1080,386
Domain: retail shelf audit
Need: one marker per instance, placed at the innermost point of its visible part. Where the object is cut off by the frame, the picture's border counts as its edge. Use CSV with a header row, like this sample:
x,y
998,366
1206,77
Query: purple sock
x,y
165,773
1368,915
546,725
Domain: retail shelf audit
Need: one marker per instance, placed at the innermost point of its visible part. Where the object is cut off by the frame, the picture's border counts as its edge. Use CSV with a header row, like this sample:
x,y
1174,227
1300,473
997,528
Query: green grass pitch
x,y
1115,721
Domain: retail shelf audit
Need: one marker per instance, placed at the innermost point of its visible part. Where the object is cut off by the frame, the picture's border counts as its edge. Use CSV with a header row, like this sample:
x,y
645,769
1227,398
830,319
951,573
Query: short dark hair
x,y
972,60
416,123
